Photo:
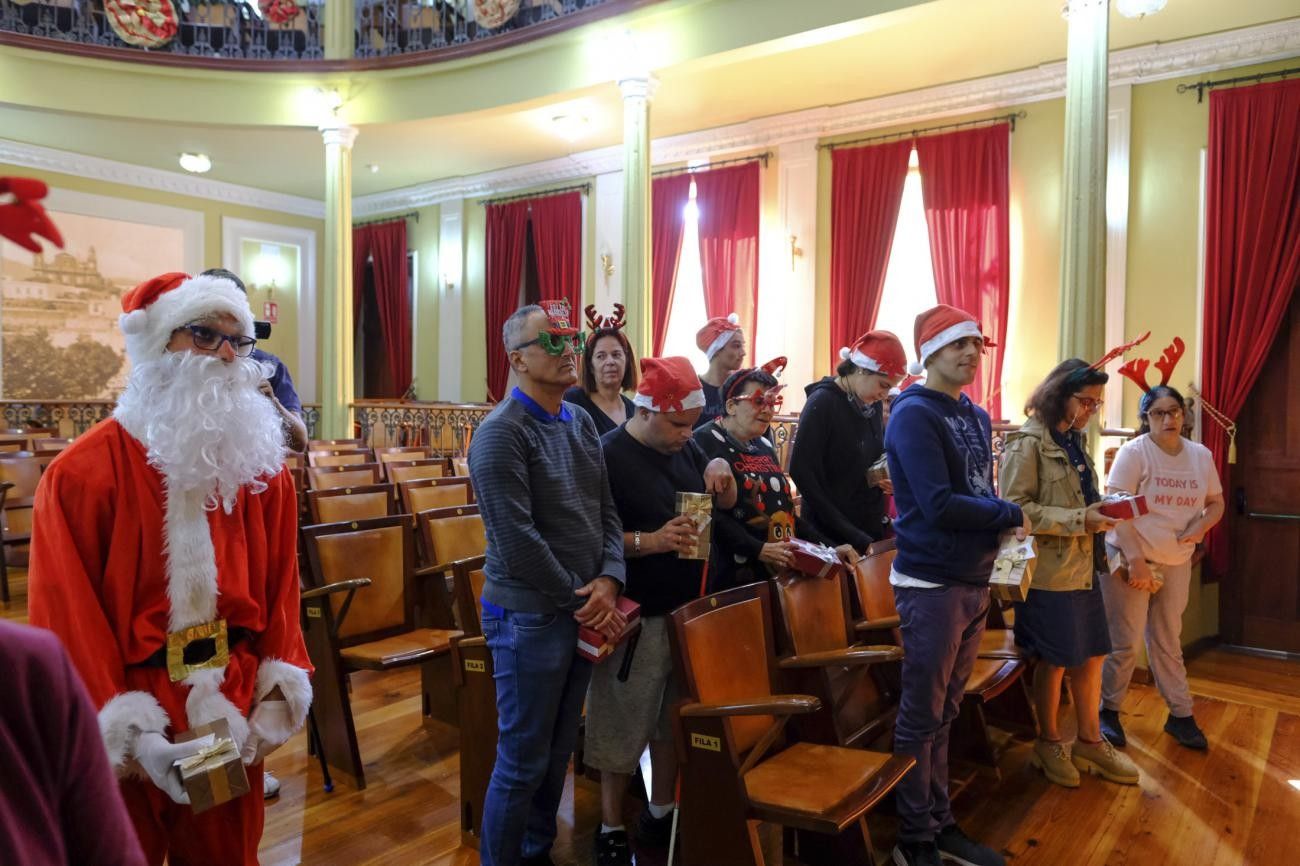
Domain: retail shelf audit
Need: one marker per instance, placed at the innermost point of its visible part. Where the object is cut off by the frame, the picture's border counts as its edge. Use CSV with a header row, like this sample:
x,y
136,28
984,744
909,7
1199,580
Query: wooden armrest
x,y
340,586
20,502
16,539
883,622
474,640
432,570
780,705
853,655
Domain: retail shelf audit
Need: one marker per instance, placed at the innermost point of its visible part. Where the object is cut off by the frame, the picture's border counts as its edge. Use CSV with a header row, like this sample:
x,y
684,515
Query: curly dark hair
x,y
1151,396
1047,403
630,375
736,381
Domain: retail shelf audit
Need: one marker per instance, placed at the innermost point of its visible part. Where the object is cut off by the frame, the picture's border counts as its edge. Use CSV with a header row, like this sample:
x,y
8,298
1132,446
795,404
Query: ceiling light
x,y
1139,8
197,163
569,126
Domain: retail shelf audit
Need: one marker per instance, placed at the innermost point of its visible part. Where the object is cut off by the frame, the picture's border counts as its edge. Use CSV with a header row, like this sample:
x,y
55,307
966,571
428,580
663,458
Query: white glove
x,y
157,757
270,726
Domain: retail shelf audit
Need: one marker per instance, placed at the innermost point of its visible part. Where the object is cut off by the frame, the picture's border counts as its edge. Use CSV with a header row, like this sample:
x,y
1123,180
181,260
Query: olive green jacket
x,y
1036,475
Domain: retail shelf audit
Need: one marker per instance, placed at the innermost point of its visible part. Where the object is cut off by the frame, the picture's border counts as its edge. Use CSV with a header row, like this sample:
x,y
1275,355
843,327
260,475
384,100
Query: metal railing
x,y
287,31
390,27
445,426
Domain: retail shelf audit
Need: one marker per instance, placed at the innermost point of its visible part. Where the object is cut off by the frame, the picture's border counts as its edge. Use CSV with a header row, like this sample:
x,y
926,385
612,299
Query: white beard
x,y
206,426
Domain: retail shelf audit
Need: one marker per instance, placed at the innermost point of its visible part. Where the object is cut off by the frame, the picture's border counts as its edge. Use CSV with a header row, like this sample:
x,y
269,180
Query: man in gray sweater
x,y
554,562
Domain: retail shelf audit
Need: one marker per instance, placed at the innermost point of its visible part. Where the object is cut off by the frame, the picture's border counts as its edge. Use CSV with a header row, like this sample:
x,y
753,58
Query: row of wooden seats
x,y
839,696
21,471
31,439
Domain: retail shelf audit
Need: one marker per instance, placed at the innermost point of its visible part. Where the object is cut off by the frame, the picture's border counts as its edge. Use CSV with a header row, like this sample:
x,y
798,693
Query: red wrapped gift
x,y
1124,507
815,560
595,646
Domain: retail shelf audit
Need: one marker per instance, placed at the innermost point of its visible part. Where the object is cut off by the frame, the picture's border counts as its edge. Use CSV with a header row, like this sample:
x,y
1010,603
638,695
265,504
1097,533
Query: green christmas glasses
x,y
557,344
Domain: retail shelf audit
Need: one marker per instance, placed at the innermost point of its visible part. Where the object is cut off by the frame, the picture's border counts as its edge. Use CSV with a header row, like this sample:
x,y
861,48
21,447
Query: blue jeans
x,y
941,640
541,682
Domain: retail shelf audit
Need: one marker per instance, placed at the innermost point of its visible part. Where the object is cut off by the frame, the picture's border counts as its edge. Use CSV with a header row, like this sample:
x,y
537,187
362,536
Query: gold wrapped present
x,y
216,774
699,508
878,471
1013,570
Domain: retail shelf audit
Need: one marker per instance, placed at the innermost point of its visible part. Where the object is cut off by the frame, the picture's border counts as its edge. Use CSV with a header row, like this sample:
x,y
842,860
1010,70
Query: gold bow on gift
x,y
1005,564
222,748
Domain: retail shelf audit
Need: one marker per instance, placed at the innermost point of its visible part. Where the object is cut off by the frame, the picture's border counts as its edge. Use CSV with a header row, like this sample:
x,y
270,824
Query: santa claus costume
x,y
176,517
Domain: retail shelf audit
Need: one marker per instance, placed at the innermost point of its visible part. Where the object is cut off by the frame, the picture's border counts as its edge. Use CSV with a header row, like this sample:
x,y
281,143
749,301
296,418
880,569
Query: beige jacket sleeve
x,y
1019,481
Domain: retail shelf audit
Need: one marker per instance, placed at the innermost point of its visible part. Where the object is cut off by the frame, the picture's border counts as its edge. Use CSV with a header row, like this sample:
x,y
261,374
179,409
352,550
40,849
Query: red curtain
x,y
866,191
507,230
729,214
668,198
384,245
1252,252
965,184
557,240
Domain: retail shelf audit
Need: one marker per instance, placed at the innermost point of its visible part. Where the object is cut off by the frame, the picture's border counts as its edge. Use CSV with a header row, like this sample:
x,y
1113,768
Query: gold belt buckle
x,y
178,641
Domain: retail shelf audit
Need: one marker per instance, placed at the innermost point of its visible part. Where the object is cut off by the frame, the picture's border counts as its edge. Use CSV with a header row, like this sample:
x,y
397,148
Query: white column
x,y
451,296
336,287
788,295
609,271
637,93
1083,242
1118,132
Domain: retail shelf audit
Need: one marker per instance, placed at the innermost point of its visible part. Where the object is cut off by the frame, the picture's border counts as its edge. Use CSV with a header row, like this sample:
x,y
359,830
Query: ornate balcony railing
x,y
74,417
445,426
274,30
254,34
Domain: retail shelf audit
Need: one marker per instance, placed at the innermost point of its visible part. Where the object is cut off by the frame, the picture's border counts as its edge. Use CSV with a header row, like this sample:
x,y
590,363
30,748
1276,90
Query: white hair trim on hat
x,y
948,335
148,330
865,362
723,339
693,400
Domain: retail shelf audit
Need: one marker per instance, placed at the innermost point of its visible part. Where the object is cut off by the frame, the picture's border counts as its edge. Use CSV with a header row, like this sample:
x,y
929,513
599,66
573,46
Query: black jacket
x,y
834,446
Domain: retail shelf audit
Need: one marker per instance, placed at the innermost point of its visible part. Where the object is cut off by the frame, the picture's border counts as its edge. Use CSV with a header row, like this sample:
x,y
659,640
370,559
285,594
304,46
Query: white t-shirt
x,y
1175,487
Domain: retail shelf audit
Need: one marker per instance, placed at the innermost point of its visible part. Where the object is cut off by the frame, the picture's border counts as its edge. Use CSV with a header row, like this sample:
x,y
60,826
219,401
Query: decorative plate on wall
x,y
493,13
142,23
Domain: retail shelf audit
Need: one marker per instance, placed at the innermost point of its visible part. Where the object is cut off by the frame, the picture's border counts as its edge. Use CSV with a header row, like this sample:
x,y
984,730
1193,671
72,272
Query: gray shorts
x,y
622,718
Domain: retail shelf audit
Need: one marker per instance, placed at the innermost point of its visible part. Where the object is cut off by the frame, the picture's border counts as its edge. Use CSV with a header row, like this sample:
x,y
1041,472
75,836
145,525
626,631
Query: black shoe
x,y
915,854
612,850
1111,729
653,832
1185,730
957,847
539,860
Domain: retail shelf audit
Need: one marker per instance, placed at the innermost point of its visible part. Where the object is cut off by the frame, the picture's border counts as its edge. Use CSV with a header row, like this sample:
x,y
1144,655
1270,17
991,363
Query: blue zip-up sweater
x,y
941,463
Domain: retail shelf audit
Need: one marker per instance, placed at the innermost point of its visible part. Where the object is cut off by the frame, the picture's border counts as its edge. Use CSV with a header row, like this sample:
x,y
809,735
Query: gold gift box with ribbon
x,y
216,774
1013,570
699,508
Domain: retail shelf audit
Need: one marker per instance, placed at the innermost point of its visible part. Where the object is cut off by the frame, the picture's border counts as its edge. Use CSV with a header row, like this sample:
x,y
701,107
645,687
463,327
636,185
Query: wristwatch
x,y
636,541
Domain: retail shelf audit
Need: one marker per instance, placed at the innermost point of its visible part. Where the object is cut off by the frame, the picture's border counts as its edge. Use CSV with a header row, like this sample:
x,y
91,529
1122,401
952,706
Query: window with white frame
x,y
909,278
687,312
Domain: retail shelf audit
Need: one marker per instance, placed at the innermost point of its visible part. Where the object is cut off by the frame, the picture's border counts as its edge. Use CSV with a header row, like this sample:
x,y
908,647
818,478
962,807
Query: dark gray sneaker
x,y
956,847
915,854
1111,729
612,849
654,832
1185,730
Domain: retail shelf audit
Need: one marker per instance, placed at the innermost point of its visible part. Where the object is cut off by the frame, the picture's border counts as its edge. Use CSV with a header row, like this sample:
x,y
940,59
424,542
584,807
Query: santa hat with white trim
x,y
716,333
668,385
939,326
877,352
153,310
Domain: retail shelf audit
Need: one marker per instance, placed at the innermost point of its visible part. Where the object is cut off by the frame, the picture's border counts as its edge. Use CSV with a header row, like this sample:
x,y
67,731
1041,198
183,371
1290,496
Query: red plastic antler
x,y
1169,360
614,322
617,320
1118,351
1136,371
593,320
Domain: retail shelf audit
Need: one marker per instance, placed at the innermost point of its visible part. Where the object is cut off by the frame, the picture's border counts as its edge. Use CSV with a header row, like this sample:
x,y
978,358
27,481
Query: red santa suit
x,y
117,563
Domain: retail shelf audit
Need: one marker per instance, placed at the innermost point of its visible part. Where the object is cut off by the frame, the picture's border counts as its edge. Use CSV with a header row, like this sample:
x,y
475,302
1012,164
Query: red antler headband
x,y
1136,369
612,323
1118,351
774,368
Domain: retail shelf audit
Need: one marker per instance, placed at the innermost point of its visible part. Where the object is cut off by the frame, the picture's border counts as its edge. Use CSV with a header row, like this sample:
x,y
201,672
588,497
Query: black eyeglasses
x,y
210,340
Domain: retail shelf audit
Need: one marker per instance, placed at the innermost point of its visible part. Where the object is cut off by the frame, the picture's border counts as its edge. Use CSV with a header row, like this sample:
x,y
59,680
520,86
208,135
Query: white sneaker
x,y
270,787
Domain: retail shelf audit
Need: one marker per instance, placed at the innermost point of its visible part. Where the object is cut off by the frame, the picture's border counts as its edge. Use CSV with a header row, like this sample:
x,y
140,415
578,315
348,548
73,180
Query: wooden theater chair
x,y
414,470
50,444
460,466
820,658
376,627
476,698
338,457
993,675
338,504
735,768
354,475
401,453
21,470
337,445
451,534
25,437
5,487
425,493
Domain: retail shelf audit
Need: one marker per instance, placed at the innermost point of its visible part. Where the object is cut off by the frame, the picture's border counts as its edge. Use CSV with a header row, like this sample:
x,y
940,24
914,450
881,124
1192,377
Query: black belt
x,y
196,651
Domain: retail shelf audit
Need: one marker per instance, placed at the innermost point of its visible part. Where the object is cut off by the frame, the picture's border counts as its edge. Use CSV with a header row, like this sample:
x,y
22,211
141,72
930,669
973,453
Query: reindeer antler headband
x,y
611,323
1136,369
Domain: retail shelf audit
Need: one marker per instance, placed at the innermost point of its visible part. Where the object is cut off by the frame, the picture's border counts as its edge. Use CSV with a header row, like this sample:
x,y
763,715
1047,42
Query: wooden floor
x,y
1237,804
